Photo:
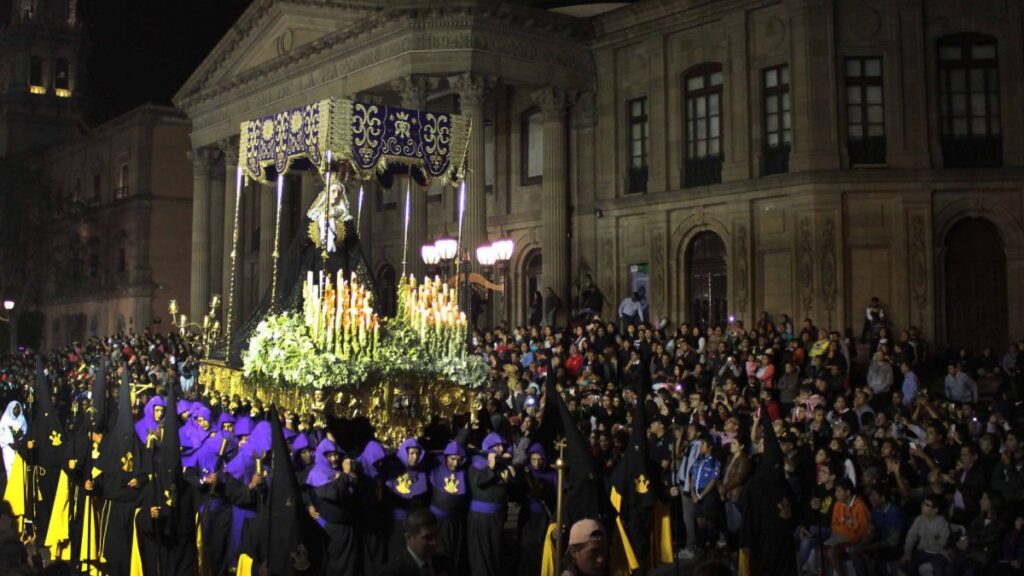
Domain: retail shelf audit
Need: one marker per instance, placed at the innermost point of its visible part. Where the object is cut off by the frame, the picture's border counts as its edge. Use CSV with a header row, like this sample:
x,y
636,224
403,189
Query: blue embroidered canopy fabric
x,y
366,136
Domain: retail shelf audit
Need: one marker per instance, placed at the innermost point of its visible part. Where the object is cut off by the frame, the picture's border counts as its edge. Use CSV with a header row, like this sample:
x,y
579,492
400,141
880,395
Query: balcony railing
x,y
703,171
866,150
122,192
638,179
972,152
776,160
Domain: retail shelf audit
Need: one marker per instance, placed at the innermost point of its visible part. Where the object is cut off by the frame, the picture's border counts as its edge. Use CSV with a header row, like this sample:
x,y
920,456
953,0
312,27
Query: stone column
x,y
311,183
413,90
199,295
471,89
555,198
217,189
229,148
268,193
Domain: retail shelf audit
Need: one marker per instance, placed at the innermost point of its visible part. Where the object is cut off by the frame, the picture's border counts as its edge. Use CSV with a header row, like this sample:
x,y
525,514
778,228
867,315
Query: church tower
x,y
41,59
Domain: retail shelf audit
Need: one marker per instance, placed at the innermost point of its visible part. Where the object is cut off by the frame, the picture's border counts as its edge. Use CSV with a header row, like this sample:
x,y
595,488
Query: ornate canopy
x,y
366,136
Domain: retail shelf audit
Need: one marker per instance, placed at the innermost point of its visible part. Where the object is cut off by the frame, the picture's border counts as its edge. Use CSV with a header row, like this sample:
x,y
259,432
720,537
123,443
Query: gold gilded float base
x,y
397,409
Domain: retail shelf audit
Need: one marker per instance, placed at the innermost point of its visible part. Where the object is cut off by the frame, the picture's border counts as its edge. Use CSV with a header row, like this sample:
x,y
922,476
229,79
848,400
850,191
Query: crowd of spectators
x,y
898,458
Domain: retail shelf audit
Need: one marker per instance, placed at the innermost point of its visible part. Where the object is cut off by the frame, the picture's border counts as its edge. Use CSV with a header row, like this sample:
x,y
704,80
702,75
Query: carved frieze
x,y
828,264
805,264
742,265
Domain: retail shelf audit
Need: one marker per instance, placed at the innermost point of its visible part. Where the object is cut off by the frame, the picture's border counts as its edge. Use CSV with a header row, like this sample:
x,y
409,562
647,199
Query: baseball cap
x,y
584,531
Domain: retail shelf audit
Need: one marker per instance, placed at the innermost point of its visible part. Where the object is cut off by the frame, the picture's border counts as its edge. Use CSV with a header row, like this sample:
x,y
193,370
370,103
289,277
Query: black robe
x,y
336,504
486,524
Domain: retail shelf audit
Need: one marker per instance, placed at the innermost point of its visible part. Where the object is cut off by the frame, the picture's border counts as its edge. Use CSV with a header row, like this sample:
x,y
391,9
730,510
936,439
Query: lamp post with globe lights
x,y
209,332
8,318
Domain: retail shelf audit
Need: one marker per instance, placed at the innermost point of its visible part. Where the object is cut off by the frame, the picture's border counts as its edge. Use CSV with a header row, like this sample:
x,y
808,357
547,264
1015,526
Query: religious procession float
x,y
318,344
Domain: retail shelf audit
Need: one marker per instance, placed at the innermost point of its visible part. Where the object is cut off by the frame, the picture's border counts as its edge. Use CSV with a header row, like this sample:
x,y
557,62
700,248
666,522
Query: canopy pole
x,y
277,240
405,245
234,258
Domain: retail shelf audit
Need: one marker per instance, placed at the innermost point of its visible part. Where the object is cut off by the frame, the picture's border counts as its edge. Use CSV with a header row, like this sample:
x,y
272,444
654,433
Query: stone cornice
x,y
642,19
493,27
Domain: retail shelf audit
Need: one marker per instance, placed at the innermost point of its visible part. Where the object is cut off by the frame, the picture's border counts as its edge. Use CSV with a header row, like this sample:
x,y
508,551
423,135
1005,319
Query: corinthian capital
x,y
552,101
414,89
229,148
202,159
472,89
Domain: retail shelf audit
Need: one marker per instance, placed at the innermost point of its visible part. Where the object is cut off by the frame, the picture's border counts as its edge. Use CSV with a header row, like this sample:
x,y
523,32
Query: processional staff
x,y
560,466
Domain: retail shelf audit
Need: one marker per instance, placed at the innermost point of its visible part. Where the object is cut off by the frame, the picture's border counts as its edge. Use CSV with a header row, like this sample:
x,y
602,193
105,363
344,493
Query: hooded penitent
x,y
287,539
322,471
149,425
766,504
406,483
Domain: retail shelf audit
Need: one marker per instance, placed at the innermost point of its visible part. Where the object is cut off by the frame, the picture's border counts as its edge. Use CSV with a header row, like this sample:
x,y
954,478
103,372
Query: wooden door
x,y
976,305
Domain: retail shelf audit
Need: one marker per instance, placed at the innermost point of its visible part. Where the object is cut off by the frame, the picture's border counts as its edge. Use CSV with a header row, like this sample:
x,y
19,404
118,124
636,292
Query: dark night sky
x,y
143,50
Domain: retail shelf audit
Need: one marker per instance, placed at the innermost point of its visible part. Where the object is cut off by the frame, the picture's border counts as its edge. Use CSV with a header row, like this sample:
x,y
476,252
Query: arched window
x,y
703,120
969,101
531,138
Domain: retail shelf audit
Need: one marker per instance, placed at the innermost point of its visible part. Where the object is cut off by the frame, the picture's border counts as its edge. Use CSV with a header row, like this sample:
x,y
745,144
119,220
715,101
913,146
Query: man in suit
x,y
420,557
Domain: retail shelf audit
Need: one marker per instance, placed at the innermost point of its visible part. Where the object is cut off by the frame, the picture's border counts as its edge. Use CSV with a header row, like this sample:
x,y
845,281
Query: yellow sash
x,y
244,567
136,565
547,562
58,533
14,494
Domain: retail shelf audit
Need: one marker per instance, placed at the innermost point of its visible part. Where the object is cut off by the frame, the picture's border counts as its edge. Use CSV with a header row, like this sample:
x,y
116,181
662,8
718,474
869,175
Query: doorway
x,y
533,266
707,280
975,269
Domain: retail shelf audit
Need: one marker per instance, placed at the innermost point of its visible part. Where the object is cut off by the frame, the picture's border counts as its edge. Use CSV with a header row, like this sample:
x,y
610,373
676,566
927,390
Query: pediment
x,y
269,30
283,30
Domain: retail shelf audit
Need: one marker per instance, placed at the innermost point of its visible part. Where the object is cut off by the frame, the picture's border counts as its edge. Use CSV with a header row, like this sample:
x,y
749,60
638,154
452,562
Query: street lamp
x,y
496,255
442,251
11,328
486,255
209,331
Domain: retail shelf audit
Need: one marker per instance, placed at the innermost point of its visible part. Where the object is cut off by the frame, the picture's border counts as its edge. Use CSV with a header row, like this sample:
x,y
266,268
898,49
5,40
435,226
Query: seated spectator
x,y
882,543
926,541
851,522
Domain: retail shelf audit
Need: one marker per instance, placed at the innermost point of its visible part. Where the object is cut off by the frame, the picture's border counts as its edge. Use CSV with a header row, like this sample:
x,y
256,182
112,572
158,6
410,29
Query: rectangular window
x,y
777,129
639,144
61,75
388,197
703,119
122,260
532,145
96,193
35,75
865,111
489,156
969,102
122,190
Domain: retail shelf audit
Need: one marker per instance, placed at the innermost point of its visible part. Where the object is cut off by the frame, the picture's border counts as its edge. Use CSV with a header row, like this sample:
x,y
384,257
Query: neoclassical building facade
x,y
730,157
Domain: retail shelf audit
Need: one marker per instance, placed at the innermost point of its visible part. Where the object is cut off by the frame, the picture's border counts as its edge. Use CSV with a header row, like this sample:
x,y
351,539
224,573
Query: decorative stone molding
x,y
472,88
918,267
552,102
584,111
658,265
742,265
414,89
828,265
502,29
202,159
229,148
805,264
